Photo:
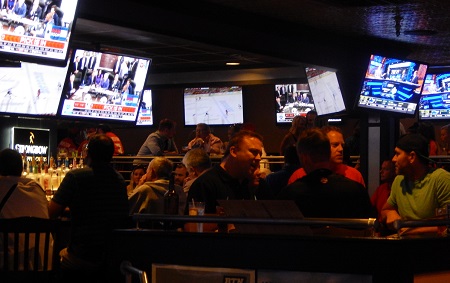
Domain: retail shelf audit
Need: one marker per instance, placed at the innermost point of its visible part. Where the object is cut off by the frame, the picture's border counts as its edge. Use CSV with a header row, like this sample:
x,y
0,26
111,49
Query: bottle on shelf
x,y
46,181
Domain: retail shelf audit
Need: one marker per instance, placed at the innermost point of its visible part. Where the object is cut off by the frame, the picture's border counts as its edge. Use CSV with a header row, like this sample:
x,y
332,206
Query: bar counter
x,y
385,259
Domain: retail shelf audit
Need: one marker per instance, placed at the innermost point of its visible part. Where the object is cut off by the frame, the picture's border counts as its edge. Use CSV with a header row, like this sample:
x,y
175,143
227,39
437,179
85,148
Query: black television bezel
x,y
386,112
6,56
38,115
139,110
329,114
433,70
302,81
214,86
95,119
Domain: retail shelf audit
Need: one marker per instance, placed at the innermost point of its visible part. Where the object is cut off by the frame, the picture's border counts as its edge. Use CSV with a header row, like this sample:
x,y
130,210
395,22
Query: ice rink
x,y
213,109
31,89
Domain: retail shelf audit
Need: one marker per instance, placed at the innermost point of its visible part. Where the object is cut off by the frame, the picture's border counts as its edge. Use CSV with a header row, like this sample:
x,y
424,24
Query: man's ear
x,y
412,156
233,151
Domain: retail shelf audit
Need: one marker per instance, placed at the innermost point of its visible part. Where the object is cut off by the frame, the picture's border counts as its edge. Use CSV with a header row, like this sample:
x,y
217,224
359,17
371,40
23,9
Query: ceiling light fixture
x,y
233,63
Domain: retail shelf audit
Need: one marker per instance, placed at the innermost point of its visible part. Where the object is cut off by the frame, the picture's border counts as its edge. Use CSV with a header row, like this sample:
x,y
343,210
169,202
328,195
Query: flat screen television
x,y
103,86
435,99
37,31
392,85
31,89
292,100
145,115
213,105
325,91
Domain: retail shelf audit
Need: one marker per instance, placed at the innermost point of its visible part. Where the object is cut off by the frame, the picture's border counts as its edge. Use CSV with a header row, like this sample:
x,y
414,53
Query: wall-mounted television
x,y
145,115
435,99
325,91
31,89
37,31
392,85
292,100
213,105
103,86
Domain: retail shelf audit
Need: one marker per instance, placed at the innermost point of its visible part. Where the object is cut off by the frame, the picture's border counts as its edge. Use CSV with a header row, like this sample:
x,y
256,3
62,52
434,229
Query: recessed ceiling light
x,y
233,63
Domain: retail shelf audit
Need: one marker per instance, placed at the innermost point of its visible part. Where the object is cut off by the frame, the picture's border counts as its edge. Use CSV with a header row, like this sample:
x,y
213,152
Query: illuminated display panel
x,y
325,91
42,35
104,86
145,116
31,89
292,100
435,99
213,105
392,85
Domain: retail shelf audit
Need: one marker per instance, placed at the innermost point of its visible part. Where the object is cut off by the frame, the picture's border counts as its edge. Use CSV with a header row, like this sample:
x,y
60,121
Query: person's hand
x,y
391,217
198,142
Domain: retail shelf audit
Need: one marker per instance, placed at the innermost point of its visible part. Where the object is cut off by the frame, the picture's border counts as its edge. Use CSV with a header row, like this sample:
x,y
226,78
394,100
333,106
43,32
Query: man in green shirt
x,y
418,188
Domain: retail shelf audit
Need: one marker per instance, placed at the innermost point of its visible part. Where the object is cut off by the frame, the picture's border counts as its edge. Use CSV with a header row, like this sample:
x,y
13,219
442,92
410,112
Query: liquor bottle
x,y
171,202
46,181
58,161
171,198
66,162
25,165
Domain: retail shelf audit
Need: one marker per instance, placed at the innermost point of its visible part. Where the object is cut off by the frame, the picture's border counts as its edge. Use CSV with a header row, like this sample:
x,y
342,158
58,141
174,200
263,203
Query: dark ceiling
x,y
204,35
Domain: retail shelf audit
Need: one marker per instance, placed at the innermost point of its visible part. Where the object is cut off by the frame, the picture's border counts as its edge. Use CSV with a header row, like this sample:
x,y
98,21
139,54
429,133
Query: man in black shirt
x,y
97,198
322,193
229,179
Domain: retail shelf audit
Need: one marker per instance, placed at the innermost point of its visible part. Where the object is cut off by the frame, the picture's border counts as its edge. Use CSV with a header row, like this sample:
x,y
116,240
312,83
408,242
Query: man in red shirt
x,y
337,158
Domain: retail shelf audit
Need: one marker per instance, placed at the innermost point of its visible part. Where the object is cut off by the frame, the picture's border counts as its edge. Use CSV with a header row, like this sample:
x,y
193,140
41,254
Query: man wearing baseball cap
x,y
418,188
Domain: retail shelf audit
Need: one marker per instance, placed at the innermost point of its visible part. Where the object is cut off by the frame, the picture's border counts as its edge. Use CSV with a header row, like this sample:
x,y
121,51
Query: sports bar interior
x,y
188,45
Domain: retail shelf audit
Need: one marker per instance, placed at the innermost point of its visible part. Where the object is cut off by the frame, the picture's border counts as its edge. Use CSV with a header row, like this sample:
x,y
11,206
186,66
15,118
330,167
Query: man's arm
x,y
55,210
389,215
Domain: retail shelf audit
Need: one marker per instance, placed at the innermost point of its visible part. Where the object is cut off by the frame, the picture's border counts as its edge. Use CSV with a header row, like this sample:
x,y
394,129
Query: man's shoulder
x,y
440,173
212,172
86,171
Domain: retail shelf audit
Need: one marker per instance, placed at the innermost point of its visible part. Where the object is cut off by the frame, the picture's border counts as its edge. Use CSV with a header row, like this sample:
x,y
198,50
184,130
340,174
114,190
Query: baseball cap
x,y
417,143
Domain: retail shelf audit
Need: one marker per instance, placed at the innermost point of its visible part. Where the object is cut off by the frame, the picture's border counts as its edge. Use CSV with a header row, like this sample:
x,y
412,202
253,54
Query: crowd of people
x,y
314,176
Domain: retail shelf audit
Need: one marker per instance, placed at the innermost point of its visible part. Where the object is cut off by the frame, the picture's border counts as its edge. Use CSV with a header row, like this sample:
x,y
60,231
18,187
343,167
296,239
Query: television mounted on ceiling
x,y
30,89
292,100
325,91
213,105
392,85
102,85
37,31
434,101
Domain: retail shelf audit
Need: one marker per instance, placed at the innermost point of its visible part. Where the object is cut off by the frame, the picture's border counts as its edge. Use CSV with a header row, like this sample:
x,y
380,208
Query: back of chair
x,y
26,245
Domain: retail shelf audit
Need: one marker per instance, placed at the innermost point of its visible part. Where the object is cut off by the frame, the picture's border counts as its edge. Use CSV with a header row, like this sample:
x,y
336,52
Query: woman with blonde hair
x,y
136,174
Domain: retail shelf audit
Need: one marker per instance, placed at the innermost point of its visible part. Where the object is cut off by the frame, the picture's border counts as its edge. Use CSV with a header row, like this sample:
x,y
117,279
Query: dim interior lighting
x,y
233,63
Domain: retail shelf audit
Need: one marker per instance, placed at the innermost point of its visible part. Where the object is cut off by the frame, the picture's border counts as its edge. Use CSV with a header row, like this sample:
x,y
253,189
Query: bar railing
x,y
336,222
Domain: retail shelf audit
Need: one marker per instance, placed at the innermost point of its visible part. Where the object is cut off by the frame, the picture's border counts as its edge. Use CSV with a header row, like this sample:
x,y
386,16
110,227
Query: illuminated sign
x,y
31,141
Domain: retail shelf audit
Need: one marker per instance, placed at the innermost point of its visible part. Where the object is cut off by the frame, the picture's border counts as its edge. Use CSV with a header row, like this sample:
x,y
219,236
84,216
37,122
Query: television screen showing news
x,y
435,99
292,100
392,85
31,89
145,116
213,105
103,85
325,91
37,31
